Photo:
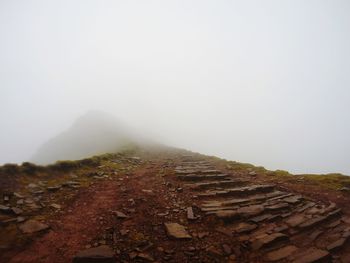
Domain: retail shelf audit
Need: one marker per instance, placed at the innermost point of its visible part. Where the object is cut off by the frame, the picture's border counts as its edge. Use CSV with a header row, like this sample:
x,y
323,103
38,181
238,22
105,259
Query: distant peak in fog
x,y
97,117
95,132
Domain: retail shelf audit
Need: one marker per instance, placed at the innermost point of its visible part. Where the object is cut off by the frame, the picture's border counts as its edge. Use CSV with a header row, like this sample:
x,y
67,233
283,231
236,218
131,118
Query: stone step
x,y
217,184
236,201
239,191
269,241
202,177
192,169
194,162
197,171
209,210
242,212
319,219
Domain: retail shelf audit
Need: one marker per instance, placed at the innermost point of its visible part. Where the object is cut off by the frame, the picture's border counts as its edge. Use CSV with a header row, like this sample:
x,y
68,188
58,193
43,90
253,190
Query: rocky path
x,y
268,224
182,208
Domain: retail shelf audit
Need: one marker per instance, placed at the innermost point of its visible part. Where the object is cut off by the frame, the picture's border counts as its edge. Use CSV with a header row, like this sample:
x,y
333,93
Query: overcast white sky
x,y
264,82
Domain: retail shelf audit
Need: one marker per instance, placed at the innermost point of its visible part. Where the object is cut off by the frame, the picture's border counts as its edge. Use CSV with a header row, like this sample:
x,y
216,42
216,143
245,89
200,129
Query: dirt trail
x,y
71,231
93,212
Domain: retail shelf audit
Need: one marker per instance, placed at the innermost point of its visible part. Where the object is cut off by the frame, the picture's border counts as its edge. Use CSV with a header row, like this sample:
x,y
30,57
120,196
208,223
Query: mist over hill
x,y
93,133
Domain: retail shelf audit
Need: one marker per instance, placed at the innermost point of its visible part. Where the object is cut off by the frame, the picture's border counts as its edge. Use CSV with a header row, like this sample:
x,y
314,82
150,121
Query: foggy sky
x,y
264,82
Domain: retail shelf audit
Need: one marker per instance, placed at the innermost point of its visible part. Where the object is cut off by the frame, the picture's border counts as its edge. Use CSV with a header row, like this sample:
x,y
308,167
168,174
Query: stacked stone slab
x,y
282,226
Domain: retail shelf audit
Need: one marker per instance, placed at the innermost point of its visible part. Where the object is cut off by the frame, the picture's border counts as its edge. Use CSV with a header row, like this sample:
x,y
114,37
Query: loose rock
x,y
32,226
176,230
101,254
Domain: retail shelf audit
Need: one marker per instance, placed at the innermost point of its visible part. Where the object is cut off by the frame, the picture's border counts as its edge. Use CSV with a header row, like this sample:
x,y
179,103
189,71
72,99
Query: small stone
x,y
124,232
252,173
18,195
20,219
56,206
345,189
120,215
190,214
202,234
214,251
29,201
227,249
191,249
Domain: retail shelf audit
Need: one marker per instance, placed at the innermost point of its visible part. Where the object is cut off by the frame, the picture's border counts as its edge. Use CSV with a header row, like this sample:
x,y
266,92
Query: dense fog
x,y
263,82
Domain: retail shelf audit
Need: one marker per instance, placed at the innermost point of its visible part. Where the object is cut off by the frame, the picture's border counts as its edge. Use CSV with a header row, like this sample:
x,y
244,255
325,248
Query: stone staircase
x,y
278,225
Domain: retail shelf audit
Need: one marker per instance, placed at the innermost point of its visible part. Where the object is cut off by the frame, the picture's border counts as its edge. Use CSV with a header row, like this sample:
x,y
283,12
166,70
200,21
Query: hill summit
x,y
93,133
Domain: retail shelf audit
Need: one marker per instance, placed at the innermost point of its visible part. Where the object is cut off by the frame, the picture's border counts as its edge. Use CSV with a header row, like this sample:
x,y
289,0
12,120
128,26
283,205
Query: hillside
x,y
170,205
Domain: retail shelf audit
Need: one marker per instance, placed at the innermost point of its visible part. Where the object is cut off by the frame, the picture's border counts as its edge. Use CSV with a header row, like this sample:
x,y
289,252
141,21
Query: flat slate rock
x,y
176,230
260,218
313,222
293,199
268,241
277,207
53,188
247,190
252,210
32,226
337,244
296,220
101,254
244,227
281,253
313,255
